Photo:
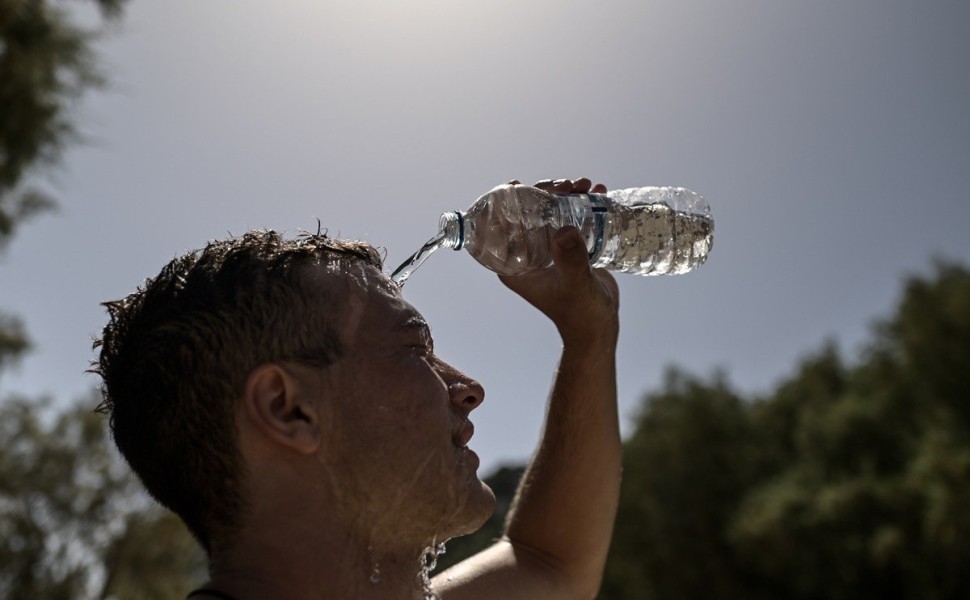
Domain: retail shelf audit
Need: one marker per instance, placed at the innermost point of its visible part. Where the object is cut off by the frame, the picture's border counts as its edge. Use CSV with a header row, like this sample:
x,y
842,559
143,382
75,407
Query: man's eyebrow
x,y
415,322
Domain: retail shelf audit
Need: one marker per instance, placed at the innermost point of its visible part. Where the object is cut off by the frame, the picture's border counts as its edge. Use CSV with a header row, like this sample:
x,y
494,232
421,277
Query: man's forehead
x,y
366,296
343,278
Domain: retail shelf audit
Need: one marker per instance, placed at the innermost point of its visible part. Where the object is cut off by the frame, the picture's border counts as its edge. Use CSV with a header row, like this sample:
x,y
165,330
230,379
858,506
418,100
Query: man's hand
x,y
582,302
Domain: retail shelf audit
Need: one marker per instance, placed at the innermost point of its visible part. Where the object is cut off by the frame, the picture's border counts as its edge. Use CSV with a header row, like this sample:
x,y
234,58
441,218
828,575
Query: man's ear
x,y
279,402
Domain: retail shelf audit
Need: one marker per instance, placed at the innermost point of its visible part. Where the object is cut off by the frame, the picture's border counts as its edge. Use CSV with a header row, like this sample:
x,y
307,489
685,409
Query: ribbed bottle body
x,y
655,231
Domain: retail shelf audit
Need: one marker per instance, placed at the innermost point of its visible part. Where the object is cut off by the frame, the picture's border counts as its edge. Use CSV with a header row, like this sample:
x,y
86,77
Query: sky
x,y
831,139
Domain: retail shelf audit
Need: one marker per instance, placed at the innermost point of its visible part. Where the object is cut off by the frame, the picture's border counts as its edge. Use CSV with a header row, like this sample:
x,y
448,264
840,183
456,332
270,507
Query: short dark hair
x,y
175,355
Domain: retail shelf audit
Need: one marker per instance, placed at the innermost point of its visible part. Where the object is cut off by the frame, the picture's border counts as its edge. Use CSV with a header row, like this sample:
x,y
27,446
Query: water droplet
x,y
375,572
429,562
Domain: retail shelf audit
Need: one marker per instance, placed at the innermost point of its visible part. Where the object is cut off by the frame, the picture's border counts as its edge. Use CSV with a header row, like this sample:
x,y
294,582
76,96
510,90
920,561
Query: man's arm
x,y
558,531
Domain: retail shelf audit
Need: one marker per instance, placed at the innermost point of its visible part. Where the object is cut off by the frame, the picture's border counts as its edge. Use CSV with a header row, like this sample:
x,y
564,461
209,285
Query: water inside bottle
x,y
401,274
654,239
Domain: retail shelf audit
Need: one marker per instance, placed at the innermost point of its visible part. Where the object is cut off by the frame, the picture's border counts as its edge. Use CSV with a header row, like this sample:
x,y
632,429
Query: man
x,y
285,401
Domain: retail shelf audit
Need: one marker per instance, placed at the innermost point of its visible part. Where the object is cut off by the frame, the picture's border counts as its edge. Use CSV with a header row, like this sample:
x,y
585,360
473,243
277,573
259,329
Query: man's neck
x,y
315,566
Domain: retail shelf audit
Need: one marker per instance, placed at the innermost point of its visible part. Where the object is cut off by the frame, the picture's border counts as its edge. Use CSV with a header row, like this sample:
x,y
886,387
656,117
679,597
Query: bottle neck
x,y
452,226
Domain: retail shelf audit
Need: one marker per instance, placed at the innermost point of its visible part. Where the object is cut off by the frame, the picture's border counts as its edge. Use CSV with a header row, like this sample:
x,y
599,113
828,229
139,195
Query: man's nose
x,y
466,393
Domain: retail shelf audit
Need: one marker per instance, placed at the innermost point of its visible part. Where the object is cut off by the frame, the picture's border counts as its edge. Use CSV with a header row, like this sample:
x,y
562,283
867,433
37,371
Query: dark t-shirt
x,y
209,592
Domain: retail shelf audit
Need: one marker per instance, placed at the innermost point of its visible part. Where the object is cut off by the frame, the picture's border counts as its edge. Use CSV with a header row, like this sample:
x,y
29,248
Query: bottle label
x,y
598,208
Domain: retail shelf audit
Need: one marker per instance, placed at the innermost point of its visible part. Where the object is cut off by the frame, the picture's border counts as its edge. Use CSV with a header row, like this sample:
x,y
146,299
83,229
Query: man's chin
x,y
474,511
481,508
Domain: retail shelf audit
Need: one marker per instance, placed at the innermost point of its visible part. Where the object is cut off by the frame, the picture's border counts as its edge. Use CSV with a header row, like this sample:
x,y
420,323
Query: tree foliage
x,y
74,522
13,340
46,64
845,482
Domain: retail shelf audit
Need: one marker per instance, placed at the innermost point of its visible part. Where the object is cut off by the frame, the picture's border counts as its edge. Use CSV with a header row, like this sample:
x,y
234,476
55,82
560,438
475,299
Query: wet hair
x,y
175,355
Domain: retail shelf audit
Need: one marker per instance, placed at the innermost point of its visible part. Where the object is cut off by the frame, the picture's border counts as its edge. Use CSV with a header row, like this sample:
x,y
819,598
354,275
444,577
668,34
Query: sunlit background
x,y
831,139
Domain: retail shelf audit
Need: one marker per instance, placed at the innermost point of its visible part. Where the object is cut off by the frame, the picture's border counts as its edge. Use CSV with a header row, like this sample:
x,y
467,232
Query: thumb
x,y
569,252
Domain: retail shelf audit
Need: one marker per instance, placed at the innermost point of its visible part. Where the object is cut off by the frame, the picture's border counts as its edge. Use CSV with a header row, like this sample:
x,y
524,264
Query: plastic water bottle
x,y
645,231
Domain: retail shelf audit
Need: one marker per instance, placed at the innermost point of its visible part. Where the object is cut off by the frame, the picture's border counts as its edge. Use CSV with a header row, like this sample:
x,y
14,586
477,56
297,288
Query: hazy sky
x,y
831,139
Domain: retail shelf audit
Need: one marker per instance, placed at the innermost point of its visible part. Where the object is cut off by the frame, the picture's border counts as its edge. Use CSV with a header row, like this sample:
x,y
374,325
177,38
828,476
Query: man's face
x,y
396,450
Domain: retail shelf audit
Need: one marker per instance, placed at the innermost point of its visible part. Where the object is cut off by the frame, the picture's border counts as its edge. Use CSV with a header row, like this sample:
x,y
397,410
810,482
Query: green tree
x,y
13,340
873,504
74,522
686,468
46,64
844,482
